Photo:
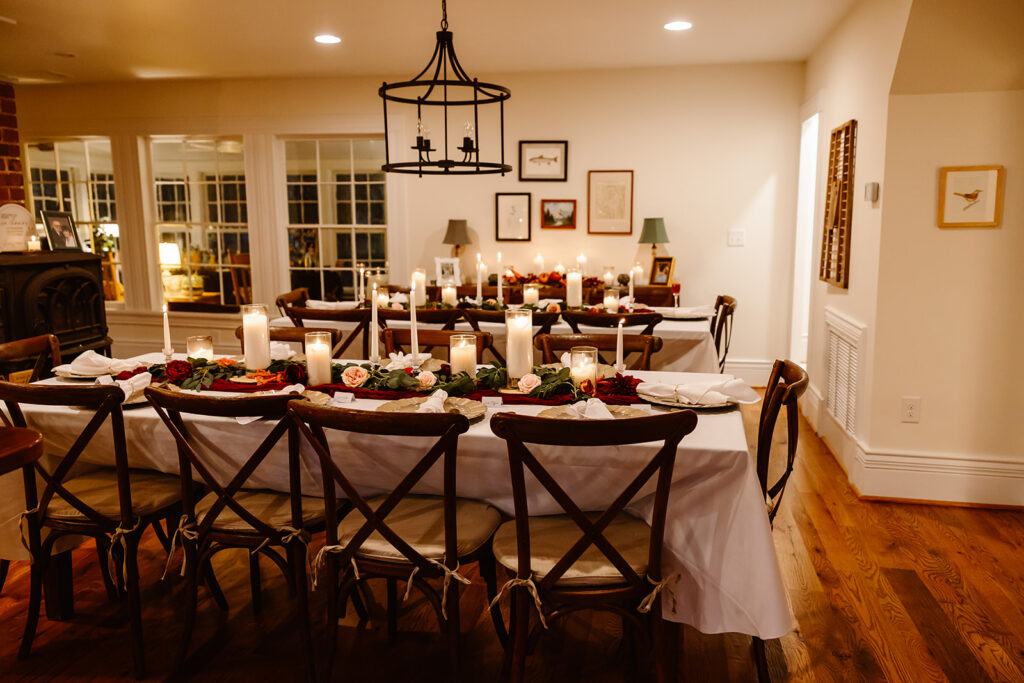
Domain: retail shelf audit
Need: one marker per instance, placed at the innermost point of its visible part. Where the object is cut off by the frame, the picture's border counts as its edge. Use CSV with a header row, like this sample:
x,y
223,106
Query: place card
x,y
492,401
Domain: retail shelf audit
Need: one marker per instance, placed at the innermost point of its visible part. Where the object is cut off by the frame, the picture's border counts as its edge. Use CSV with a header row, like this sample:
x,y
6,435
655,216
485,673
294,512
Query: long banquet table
x,y
717,535
687,344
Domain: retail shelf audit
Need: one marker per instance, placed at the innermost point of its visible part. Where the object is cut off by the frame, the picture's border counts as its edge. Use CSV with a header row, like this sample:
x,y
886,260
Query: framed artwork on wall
x,y
60,230
512,216
543,160
661,270
558,213
610,202
970,196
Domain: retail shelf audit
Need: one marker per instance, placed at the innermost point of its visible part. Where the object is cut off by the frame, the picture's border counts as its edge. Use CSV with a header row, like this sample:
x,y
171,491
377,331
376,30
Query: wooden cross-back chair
x,y
445,317
399,340
45,349
786,384
645,345
721,327
241,277
608,560
542,320
111,505
297,297
20,448
398,536
231,516
361,317
602,319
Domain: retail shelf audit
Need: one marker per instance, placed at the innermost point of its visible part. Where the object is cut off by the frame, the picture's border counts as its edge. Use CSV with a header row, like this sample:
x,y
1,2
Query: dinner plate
x,y
67,374
618,412
472,410
689,406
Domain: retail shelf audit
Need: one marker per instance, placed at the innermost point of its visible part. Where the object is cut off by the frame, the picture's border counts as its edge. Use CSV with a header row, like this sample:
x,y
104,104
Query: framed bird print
x,y
970,196
543,160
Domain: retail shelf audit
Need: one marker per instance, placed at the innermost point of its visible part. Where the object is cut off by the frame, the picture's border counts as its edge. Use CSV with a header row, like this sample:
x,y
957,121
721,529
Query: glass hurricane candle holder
x,y
531,293
256,336
318,358
199,346
611,299
609,276
462,354
519,344
583,367
383,297
574,288
449,293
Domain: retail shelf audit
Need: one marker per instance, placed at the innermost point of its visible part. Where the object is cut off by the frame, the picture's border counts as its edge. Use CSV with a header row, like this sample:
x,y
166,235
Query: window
x,y
77,176
337,212
202,222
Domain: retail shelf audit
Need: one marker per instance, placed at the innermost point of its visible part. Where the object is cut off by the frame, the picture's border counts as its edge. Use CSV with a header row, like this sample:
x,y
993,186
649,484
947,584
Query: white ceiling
x,y
118,40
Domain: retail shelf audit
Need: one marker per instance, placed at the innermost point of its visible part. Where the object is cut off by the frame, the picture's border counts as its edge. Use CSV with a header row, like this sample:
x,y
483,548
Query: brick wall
x,y
12,182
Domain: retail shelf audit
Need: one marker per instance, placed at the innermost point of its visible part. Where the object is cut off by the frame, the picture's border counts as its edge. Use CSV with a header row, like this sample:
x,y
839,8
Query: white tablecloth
x,y
687,345
717,534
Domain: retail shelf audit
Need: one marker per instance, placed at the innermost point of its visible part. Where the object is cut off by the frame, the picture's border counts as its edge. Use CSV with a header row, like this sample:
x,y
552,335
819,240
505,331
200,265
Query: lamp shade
x,y
654,231
170,254
456,232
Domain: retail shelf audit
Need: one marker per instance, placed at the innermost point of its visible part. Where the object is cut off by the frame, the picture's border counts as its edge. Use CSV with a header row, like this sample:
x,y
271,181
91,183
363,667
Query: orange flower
x,y
226,362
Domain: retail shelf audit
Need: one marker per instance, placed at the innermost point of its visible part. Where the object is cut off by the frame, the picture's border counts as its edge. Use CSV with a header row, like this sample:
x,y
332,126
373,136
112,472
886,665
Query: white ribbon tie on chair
x,y
531,587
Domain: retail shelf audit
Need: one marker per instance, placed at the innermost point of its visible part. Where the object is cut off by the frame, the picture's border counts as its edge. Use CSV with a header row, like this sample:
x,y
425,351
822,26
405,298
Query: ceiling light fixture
x,y
678,26
327,39
443,84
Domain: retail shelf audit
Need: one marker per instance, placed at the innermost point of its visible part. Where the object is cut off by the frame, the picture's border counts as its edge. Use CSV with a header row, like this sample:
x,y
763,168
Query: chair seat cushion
x,y
551,537
151,492
270,507
419,521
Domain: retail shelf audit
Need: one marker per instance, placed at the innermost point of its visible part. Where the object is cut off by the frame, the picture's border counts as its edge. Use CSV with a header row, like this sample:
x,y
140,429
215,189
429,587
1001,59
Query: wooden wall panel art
x,y
836,233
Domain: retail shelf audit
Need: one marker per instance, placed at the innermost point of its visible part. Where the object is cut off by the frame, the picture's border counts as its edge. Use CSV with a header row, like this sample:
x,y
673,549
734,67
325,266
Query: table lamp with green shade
x,y
653,233
457,234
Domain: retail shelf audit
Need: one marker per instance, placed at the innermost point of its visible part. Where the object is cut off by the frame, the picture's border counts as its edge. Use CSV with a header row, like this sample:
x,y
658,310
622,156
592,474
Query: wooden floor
x,y
880,591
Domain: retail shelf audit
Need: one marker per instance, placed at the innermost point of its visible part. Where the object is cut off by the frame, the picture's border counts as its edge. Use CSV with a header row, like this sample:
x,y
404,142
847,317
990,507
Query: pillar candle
x,y
449,295
583,365
519,343
419,276
374,330
539,263
501,299
318,357
462,354
414,342
256,336
574,289
611,300
199,346
560,269
531,294
167,334
609,277
581,262
620,366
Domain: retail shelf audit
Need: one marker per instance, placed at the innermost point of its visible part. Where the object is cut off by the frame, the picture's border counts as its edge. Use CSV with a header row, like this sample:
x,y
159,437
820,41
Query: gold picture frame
x,y
662,268
971,196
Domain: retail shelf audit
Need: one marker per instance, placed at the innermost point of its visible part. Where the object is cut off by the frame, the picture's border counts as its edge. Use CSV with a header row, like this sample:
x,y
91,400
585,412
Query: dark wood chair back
x,y
295,335
542,320
520,431
313,421
20,448
104,402
360,317
170,406
553,345
241,278
45,349
786,384
721,327
400,340
445,317
602,319
297,297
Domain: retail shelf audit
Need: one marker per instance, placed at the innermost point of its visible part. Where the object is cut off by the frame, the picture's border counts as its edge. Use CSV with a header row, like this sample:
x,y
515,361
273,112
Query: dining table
x,y
718,542
687,345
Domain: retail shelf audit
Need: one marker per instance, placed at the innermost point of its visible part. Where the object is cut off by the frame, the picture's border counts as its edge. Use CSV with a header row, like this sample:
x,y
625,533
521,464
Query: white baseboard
x,y
753,372
930,476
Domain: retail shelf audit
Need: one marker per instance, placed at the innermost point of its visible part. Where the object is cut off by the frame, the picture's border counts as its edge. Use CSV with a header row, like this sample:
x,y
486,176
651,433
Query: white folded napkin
x,y
591,409
566,359
704,310
721,389
400,361
330,305
400,298
92,363
130,386
281,351
435,403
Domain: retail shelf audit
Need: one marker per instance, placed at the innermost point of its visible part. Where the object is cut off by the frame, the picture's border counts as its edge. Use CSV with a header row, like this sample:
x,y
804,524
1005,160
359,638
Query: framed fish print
x,y
970,196
543,160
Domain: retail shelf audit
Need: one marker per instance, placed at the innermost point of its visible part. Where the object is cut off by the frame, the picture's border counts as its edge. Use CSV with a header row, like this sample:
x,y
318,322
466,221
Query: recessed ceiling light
x,y
327,39
678,26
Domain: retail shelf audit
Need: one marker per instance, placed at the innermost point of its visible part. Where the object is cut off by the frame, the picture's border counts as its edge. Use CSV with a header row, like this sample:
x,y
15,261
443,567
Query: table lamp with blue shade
x,y
653,233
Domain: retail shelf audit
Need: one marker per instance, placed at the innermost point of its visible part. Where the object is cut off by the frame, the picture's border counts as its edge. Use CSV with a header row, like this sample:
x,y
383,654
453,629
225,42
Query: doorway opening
x,y
804,242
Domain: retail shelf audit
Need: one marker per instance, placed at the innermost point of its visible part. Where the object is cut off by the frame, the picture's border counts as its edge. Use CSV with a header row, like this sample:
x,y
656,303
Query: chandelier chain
x,y
444,15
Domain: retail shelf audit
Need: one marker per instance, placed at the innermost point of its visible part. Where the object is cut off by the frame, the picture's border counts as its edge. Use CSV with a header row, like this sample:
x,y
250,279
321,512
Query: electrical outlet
x,y
736,238
910,409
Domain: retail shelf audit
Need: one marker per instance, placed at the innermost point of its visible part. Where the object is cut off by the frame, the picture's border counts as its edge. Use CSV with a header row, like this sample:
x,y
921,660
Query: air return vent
x,y
842,356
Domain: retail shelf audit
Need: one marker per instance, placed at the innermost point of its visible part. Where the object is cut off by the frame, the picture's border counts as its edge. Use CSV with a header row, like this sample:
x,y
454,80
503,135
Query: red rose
x,y
294,374
177,371
409,371
128,374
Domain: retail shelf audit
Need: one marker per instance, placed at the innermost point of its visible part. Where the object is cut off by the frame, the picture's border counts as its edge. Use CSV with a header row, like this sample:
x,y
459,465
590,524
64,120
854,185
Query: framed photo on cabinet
x,y
610,202
512,216
60,230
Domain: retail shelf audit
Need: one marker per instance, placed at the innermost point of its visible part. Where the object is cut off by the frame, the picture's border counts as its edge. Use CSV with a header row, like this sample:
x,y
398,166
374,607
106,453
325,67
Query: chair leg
x,y
454,629
211,582
760,660
191,598
488,571
162,535
102,551
520,630
665,636
254,582
331,581
297,557
35,600
5,566
392,591
131,584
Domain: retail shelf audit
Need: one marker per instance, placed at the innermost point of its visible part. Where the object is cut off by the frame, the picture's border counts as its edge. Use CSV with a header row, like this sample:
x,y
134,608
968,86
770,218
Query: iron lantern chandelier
x,y
444,83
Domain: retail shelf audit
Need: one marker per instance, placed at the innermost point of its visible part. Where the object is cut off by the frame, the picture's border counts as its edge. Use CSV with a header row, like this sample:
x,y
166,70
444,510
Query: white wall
x,y
712,148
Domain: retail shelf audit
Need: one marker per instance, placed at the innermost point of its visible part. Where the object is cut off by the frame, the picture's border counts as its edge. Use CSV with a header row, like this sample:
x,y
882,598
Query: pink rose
x,y
426,380
528,382
553,308
397,306
354,376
